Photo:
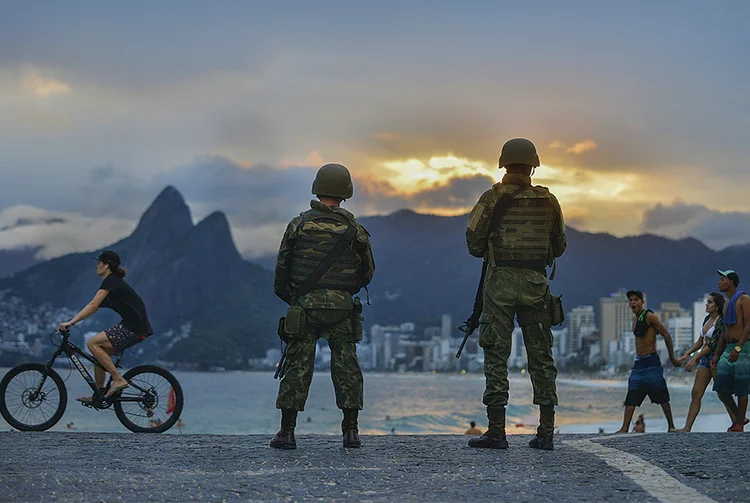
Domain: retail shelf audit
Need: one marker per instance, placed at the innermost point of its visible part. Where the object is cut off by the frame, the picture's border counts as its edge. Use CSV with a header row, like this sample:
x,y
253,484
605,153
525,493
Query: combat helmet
x,y
519,151
333,180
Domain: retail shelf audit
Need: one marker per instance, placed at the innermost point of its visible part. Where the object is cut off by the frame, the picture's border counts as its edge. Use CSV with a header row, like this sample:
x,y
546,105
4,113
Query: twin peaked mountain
x,y
185,273
194,273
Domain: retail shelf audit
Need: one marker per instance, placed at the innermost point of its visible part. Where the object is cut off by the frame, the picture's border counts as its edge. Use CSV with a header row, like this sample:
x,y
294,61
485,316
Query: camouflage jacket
x,y
478,229
320,298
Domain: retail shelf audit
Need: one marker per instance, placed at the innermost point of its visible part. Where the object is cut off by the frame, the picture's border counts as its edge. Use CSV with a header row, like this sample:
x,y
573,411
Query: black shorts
x,y
122,338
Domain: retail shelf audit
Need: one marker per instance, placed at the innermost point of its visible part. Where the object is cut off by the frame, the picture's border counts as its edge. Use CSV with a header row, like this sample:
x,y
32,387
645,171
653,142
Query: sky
x,y
639,111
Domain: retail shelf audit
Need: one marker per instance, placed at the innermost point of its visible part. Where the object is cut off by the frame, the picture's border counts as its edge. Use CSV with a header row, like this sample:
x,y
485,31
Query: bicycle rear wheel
x,y
153,402
32,397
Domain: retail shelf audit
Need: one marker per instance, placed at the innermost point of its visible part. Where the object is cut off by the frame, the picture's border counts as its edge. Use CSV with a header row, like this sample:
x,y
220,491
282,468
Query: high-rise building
x,y
616,317
446,326
699,313
681,329
669,310
581,316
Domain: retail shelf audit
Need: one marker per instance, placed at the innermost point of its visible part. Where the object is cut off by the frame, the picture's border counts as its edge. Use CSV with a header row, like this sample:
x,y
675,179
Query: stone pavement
x,y
55,466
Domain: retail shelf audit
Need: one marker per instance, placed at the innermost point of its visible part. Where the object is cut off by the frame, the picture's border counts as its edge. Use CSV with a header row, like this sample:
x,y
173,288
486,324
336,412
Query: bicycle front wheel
x,y
32,397
153,401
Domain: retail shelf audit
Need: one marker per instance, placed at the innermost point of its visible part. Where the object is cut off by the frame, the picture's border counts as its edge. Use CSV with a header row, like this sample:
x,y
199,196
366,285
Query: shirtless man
x,y
731,362
647,376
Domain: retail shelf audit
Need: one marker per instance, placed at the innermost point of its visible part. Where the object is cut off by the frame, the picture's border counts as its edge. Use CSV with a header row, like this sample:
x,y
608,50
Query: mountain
x,y
423,268
184,273
193,274
17,259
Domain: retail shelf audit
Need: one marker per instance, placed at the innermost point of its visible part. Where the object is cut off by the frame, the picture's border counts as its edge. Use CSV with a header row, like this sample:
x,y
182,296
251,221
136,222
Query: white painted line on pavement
x,y
653,479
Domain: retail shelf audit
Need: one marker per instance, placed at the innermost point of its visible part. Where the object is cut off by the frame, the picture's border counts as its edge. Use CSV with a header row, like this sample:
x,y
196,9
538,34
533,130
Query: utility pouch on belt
x,y
557,313
357,319
294,322
281,332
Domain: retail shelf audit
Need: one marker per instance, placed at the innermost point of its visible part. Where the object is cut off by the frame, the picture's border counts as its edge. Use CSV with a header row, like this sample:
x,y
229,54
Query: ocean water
x,y
238,403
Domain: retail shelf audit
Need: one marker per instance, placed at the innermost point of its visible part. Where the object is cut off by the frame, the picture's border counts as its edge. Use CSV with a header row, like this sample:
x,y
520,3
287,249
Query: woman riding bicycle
x,y
116,294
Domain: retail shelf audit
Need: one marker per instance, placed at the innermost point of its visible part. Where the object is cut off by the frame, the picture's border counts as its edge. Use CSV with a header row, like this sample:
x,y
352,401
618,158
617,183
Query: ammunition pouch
x,y
357,320
295,323
556,310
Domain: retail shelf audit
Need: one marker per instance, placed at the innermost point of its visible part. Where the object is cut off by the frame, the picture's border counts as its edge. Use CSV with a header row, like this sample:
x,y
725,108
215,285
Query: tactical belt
x,y
534,265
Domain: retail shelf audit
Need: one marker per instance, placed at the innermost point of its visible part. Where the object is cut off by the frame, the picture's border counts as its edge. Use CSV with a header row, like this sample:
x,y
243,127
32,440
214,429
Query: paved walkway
x,y
127,467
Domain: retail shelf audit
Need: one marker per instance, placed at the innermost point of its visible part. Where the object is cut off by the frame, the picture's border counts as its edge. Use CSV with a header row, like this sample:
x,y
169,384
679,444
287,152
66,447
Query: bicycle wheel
x,y
26,406
153,402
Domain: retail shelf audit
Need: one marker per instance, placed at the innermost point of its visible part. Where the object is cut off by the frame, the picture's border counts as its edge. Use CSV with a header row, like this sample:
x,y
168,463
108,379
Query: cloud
x,y
581,147
58,233
717,229
577,149
32,81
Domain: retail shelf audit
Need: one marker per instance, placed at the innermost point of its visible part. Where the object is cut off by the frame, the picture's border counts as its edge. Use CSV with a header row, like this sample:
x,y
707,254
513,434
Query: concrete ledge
x,y
127,467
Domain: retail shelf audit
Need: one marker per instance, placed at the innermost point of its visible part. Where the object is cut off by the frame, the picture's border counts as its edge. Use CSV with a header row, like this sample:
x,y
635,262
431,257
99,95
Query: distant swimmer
x,y
640,425
647,376
473,430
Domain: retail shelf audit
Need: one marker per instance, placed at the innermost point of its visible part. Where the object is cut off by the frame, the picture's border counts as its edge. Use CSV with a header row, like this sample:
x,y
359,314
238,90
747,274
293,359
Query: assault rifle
x,y
281,367
472,322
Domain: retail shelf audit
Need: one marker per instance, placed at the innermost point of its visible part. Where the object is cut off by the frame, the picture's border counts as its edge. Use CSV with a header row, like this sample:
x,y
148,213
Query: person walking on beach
x,y
732,363
647,376
705,346
517,251
324,259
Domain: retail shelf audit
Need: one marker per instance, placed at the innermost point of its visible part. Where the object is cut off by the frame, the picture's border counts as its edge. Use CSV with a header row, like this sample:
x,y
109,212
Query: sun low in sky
x,y
640,120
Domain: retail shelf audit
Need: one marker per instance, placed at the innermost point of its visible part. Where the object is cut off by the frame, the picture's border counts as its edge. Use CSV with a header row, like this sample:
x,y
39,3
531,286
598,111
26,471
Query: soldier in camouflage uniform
x,y
328,310
529,238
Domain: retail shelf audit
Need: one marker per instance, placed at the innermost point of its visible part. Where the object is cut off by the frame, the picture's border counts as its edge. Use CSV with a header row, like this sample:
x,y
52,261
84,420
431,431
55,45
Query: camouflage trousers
x,y
334,325
521,293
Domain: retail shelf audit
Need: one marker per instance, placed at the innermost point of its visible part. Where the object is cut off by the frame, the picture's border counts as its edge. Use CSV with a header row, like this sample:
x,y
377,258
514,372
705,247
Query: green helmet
x,y
333,180
519,151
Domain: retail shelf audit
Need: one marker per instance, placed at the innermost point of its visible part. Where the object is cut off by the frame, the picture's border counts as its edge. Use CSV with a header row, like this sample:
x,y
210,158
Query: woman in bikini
x,y
704,347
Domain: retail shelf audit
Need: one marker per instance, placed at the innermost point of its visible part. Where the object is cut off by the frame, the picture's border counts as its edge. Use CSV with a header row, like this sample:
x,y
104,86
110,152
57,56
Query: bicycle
x,y
33,395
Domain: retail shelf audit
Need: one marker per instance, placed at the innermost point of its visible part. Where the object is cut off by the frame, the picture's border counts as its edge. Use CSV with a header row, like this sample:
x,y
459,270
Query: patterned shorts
x,y
121,338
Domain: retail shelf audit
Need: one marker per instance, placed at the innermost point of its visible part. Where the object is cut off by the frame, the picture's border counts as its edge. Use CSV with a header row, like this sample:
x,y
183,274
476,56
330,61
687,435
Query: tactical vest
x,y
318,234
524,233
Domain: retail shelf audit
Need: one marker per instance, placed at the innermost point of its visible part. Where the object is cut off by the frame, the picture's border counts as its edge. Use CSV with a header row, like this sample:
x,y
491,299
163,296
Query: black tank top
x,y
641,326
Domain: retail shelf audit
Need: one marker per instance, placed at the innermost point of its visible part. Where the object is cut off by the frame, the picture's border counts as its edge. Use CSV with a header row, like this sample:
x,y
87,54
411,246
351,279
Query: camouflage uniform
x,y
328,312
532,232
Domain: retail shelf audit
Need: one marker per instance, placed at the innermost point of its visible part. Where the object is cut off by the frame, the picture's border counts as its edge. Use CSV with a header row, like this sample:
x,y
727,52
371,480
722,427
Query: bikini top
x,y
641,325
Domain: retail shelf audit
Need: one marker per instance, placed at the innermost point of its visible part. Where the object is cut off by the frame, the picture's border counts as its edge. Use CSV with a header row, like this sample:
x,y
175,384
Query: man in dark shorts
x,y
731,360
647,376
116,294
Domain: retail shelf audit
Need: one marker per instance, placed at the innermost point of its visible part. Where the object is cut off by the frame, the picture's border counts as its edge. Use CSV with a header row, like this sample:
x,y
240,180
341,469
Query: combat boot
x,y
284,439
494,437
350,429
545,432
